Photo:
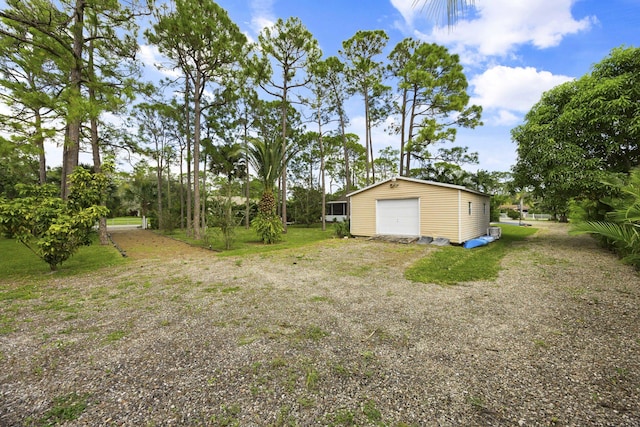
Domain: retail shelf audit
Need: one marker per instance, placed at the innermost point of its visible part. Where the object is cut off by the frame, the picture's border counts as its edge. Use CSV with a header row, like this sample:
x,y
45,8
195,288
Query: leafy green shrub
x,y
342,229
50,227
268,227
513,214
224,218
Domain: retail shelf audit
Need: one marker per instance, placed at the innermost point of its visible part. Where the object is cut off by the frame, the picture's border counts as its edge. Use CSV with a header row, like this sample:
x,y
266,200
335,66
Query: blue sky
x,y
512,50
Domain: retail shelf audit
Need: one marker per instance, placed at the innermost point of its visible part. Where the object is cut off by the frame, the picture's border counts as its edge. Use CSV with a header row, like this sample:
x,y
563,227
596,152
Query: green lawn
x,y
246,241
451,265
125,220
446,266
18,262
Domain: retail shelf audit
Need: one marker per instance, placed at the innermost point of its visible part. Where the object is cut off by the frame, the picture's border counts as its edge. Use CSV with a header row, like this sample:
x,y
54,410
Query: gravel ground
x,y
330,334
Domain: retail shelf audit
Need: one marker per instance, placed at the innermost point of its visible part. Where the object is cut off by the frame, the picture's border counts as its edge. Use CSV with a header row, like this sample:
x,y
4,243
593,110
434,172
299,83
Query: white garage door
x,y
398,217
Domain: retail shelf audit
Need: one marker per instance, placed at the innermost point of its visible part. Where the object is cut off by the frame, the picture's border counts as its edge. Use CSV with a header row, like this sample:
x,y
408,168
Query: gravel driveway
x,y
329,334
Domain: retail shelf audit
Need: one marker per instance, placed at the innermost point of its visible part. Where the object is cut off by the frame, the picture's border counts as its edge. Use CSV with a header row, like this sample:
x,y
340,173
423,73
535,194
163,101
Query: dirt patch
x,y
145,244
329,334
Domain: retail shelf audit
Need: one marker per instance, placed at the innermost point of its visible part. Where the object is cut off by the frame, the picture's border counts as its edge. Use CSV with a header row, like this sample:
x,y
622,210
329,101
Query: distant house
x,y
411,207
336,210
525,208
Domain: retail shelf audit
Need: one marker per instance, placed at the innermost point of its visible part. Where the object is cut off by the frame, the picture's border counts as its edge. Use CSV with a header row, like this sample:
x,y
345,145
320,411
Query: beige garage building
x,y
411,207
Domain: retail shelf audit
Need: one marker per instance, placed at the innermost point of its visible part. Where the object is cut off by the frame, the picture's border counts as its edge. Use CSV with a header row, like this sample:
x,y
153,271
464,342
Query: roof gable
x,y
418,181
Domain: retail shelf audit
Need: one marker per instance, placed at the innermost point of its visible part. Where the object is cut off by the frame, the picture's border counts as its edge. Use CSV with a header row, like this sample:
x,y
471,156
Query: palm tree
x,y
268,158
228,160
436,8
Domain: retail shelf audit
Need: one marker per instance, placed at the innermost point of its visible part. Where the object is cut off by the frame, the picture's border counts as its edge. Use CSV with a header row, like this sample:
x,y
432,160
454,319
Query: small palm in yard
x,y
227,160
268,157
622,226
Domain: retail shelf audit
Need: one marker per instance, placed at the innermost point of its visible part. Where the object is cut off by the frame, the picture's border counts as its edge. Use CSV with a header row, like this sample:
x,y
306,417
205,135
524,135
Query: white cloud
x,y
500,26
512,89
262,15
152,59
148,54
505,118
407,9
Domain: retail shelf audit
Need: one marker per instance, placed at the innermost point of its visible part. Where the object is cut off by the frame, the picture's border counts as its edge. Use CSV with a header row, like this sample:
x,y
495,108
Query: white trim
x,y
459,216
418,181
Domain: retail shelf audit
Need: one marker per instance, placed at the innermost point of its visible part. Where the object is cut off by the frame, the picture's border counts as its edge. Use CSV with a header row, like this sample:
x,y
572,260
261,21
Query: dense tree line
x,y
582,134
579,150
68,65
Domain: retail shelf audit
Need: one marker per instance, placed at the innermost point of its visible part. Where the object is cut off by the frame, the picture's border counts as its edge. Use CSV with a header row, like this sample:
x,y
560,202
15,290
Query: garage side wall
x,y
438,208
476,222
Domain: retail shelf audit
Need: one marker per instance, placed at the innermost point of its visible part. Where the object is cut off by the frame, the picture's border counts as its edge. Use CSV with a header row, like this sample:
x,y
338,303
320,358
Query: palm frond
x,y
624,235
268,158
630,214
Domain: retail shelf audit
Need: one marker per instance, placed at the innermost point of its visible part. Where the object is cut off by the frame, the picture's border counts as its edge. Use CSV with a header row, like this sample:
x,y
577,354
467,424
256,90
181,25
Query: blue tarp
x,y
478,241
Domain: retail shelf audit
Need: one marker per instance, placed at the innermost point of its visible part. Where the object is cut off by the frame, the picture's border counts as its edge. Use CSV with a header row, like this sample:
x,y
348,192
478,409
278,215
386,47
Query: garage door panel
x,y
399,217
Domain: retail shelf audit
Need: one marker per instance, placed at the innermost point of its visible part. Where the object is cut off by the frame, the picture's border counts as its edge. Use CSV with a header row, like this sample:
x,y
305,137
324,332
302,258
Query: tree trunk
x,y
403,113
159,165
42,161
168,218
366,135
324,190
197,90
188,140
347,173
410,134
95,144
71,152
247,208
203,198
97,167
284,144
181,190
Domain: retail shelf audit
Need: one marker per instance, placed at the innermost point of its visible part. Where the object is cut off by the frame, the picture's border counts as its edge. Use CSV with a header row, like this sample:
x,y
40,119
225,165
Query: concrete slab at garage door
x,y
398,217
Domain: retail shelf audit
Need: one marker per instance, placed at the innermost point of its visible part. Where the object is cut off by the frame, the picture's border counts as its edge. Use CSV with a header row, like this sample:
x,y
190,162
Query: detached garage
x,y
412,207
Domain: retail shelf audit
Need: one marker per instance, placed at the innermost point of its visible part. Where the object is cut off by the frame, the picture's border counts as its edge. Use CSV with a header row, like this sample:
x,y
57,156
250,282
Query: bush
x,y
225,219
50,227
342,229
513,214
268,227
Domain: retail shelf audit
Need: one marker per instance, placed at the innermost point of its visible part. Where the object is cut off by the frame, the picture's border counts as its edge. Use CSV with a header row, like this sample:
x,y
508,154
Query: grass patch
x,y
25,292
451,265
125,220
313,333
371,411
318,298
229,415
540,343
21,263
65,408
312,377
247,242
6,325
115,336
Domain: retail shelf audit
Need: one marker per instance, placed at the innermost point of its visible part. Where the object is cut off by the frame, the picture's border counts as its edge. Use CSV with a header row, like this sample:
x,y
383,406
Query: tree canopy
x,y
581,132
70,74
